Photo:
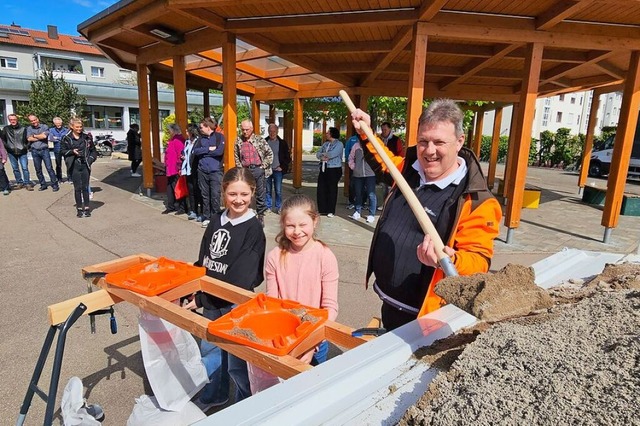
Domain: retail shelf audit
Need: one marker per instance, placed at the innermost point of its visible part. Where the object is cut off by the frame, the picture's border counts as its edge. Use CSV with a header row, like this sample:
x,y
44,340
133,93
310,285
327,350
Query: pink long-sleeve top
x,y
172,159
309,277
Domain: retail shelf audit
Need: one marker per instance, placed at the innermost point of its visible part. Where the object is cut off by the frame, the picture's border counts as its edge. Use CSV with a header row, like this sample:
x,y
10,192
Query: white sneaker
x,y
370,219
136,175
330,215
355,216
379,208
205,223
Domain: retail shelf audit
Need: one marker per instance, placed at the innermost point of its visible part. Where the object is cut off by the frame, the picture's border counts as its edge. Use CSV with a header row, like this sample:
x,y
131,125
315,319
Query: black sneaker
x,y
43,188
55,188
80,213
86,213
167,211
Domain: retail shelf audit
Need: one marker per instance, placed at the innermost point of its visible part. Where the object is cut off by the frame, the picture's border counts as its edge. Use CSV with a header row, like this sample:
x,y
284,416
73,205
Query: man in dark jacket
x,y
15,141
279,167
209,154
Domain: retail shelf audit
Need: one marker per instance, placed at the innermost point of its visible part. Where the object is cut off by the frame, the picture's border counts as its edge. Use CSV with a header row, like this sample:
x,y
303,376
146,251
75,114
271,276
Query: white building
x,y
111,92
564,111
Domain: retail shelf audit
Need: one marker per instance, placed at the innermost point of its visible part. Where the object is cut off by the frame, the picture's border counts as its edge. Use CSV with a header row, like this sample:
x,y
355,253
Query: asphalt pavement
x,y
44,246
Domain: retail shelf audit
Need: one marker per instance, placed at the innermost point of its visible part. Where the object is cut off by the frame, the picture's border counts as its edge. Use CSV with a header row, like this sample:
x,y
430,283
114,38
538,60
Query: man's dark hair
x,y
386,123
334,132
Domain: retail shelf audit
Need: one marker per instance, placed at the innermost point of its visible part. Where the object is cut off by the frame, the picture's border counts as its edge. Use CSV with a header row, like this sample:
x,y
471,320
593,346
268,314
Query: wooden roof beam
x,y
288,72
611,69
194,42
257,72
507,29
333,48
146,14
400,41
203,16
559,12
564,69
200,64
218,79
476,65
429,8
313,90
252,54
320,21
118,45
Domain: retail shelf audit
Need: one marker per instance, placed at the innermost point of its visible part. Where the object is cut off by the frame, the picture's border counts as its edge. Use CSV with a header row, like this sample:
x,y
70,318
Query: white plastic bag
x,y
259,379
74,411
172,362
146,412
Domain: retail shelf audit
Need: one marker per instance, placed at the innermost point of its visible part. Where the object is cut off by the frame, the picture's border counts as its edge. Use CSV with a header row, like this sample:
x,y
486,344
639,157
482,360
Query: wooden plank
x,y
225,290
623,144
180,92
181,291
94,301
416,82
495,145
340,335
588,142
560,11
229,98
117,264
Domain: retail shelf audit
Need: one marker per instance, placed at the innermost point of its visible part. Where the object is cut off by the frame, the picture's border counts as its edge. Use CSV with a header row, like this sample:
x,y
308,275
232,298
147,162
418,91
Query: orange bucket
x,y
272,325
155,277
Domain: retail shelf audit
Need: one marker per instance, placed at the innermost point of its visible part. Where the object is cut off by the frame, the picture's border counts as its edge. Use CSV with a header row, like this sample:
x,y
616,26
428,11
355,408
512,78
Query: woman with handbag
x,y
172,164
79,153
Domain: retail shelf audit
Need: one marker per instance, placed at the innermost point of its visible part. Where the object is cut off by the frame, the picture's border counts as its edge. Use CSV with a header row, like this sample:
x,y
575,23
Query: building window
x,y
3,112
11,63
561,97
573,100
103,117
545,116
97,72
134,115
559,117
570,118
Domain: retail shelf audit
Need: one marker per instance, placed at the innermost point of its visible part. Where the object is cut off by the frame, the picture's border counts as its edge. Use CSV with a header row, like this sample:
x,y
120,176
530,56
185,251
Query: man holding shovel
x,y
448,182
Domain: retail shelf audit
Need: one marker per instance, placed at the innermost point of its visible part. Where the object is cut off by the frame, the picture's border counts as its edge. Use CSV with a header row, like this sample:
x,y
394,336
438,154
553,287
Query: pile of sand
x,y
574,363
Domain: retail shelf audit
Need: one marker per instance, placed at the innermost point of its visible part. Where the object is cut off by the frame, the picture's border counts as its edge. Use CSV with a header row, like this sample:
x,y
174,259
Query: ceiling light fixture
x,y
167,34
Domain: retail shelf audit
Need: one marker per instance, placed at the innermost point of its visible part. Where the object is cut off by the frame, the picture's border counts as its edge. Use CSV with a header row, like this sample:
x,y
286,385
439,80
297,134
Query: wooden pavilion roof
x,y
310,48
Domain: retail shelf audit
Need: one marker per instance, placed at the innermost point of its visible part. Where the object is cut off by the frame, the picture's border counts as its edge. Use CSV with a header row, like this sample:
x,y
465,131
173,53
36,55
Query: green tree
x,y
52,97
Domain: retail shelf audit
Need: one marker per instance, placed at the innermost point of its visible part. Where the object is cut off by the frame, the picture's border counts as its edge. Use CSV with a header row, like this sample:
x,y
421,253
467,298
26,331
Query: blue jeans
x,y
366,187
24,164
274,182
38,156
220,366
321,356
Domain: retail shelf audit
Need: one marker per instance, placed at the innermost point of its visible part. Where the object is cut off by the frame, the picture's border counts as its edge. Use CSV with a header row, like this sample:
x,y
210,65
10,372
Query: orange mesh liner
x,y
272,325
155,277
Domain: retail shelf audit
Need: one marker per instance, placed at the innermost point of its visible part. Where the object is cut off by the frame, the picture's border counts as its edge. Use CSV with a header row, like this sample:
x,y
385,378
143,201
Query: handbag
x,y
182,190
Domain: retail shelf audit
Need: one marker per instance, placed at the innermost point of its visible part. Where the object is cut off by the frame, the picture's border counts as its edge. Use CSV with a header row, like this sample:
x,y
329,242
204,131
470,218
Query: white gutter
x,y
372,384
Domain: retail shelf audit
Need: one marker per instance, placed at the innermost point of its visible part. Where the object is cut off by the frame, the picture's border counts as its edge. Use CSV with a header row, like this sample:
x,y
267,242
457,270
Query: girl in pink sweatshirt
x,y
303,268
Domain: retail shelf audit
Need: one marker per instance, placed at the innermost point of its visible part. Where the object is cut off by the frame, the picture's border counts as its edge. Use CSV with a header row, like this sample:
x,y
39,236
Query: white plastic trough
x,y
375,383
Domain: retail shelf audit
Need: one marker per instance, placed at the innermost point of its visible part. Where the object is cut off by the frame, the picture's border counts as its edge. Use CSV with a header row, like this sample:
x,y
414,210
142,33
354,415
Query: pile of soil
x,y
577,362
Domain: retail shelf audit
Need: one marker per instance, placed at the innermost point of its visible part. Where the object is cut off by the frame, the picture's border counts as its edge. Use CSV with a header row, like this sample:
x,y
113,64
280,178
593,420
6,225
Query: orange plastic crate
x,y
155,277
272,325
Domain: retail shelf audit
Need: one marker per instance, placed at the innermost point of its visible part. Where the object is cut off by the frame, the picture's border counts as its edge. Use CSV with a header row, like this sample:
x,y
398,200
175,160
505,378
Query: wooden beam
x,y
145,126
416,82
118,45
252,54
526,111
495,147
298,105
206,103
429,8
476,65
217,78
194,42
588,142
255,116
287,72
400,41
229,97
148,13
312,22
511,151
503,29
611,69
349,47
155,116
623,144
94,301
477,142
560,11
180,92
564,69
203,16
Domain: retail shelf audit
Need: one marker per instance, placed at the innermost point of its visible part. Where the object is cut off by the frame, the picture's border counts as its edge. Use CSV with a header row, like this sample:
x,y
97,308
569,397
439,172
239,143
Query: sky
x,y
65,14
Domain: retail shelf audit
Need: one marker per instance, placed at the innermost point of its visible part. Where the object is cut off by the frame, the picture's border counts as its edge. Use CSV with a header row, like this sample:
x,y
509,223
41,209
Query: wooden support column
x,y
297,142
272,114
622,146
180,92
229,98
477,140
528,95
416,81
145,127
495,146
206,104
588,142
155,117
255,116
468,140
510,150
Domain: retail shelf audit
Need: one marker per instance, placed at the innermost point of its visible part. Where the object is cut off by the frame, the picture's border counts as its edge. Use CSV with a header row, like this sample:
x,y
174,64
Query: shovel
x,y
418,210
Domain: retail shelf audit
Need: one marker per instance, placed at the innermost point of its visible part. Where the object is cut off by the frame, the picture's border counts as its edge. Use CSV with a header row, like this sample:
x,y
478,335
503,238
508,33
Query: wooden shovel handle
x,y
409,195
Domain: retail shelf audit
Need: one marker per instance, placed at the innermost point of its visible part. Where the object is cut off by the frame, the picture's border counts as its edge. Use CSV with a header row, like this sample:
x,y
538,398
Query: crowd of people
x,y
445,177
